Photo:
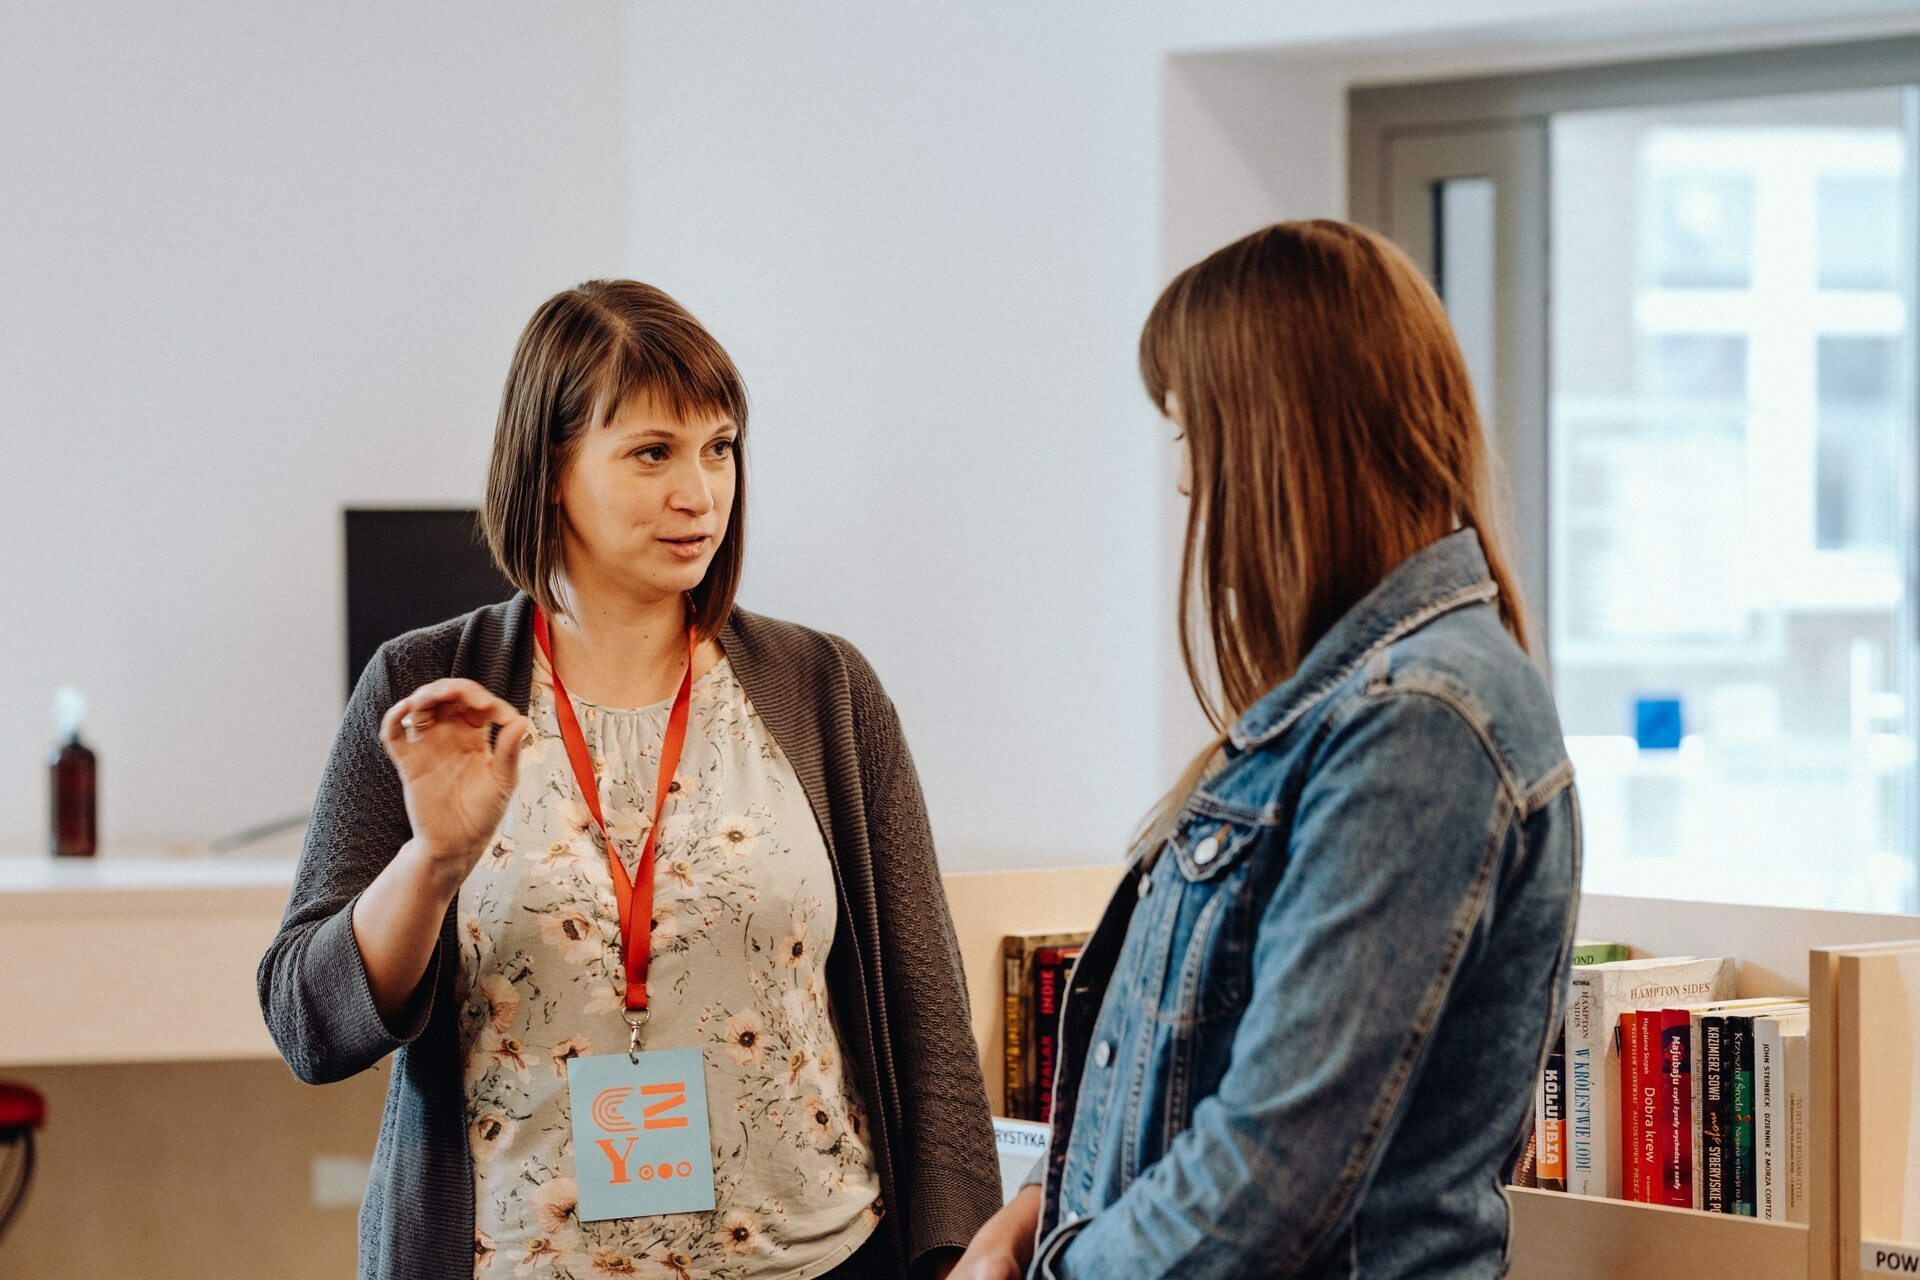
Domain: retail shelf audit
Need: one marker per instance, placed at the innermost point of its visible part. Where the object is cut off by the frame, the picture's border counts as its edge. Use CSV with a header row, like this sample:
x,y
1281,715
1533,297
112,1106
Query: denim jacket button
x,y
1206,851
1103,1053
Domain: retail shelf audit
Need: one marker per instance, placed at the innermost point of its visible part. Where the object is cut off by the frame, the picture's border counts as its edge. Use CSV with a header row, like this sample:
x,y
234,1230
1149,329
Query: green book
x,y
1598,952
1743,1165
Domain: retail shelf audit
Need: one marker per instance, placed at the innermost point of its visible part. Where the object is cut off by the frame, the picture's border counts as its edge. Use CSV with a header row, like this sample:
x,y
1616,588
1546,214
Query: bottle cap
x,y
69,709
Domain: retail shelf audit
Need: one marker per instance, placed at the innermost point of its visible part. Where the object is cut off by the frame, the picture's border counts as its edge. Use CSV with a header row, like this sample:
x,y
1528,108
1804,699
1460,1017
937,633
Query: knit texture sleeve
x,y
312,981
947,1166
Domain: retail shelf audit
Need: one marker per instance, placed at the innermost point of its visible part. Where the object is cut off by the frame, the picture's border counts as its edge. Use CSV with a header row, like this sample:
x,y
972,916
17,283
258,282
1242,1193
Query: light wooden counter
x,y
151,959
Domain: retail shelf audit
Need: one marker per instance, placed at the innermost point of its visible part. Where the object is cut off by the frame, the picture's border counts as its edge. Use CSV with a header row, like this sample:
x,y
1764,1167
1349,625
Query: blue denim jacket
x,y
1303,1039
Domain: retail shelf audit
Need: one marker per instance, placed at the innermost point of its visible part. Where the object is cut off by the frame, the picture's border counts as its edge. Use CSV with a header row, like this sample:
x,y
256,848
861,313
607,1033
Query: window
x,y
1700,290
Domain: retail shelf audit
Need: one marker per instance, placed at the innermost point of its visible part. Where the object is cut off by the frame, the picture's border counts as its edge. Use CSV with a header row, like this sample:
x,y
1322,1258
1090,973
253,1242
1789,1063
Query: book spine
x,y
1799,1083
1716,1114
1740,1059
1525,1171
1632,1175
1676,1112
1586,1153
1650,1104
1697,1065
1050,968
1550,1120
1013,978
1769,1204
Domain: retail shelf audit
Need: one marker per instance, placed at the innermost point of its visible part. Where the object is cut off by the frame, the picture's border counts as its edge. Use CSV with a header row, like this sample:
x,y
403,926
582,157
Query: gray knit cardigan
x,y
893,974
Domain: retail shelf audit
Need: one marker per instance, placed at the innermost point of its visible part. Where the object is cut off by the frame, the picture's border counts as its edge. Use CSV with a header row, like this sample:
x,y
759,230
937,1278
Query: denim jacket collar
x,y
1445,576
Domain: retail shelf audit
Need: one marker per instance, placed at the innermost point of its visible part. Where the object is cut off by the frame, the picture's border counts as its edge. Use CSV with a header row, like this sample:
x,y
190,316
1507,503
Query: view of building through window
x,y
1732,456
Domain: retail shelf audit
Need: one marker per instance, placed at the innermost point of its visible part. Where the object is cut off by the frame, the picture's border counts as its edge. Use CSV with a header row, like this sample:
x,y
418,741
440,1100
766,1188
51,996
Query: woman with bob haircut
x,y
1303,1039
616,815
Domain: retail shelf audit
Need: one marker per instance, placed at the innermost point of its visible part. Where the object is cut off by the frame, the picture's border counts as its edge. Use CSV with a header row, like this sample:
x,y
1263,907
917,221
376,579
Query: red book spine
x,y
1652,1104
1051,966
1632,1173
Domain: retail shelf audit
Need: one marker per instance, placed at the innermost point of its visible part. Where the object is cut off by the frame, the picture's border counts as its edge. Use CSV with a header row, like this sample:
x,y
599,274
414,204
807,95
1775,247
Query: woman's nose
x,y
692,495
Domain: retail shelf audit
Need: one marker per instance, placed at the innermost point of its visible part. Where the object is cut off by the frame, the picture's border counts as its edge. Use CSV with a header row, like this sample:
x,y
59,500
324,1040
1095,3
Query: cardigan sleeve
x,y
312,981
948,1169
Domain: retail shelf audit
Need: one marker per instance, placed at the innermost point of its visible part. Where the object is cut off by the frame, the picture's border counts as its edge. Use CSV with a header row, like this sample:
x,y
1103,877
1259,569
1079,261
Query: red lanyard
x,y
634,895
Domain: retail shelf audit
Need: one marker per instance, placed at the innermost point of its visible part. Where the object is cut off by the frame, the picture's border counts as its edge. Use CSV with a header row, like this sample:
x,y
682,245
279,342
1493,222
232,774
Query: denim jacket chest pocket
x,y
1222,869
1210,958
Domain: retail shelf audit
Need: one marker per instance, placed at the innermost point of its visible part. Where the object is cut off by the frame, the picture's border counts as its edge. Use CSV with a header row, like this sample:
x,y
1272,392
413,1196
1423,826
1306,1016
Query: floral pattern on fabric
x,y
743,918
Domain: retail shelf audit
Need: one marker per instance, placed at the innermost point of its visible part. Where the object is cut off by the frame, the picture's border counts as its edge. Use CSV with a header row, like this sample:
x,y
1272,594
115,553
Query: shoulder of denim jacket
x,y
1498,692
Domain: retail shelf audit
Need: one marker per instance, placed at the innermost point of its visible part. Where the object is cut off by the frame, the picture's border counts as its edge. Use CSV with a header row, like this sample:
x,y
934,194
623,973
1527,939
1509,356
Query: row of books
x,y
1665,1089
1034,970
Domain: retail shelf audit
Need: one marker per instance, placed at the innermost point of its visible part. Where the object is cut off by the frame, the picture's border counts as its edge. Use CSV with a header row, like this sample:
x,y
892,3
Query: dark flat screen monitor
x,y
408,569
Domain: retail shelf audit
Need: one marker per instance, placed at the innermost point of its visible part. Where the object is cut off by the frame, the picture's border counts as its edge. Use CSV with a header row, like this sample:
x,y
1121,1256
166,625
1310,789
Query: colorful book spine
x,y
1051,966
1632,1172
1742,1165
1696,1056
1550,1120
1716,1116
1585,1154
1676,1121
1651,1103
1014,1049
1640,1105
1589,953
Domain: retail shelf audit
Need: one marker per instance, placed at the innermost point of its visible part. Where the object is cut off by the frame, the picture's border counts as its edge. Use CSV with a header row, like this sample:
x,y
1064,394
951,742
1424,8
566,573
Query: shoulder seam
x,y
1509,783
1558,779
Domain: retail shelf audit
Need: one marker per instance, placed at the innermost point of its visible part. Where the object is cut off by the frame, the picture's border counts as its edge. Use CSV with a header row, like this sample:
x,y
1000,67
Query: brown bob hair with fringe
x,y
1332,433
586,352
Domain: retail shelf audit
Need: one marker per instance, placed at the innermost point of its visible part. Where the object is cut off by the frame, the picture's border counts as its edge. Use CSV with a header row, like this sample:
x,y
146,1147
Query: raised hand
x,y
456,778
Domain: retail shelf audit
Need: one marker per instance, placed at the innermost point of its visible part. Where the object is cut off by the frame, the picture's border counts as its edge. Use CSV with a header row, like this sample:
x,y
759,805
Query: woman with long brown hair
x,y
635,886
1302,1040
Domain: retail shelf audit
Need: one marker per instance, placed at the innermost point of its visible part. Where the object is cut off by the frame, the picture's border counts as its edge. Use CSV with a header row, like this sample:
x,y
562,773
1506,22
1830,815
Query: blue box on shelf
x,y
1657,723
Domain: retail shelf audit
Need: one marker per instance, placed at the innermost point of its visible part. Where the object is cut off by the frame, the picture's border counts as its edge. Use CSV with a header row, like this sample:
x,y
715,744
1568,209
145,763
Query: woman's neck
x,y
621,652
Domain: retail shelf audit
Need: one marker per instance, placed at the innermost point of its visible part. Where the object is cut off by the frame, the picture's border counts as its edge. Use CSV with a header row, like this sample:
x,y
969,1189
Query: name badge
x,y
640,1139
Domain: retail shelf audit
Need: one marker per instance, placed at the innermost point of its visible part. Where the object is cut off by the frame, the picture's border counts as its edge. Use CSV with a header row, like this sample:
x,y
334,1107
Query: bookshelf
x,y
1782,951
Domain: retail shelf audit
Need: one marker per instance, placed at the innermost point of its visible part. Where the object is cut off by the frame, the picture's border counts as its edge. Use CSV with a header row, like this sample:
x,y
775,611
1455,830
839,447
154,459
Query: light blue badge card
x,y
640,1141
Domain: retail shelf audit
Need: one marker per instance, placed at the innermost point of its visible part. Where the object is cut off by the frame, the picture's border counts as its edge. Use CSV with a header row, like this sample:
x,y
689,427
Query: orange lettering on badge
x,y
619,1161
672,1097
606,1110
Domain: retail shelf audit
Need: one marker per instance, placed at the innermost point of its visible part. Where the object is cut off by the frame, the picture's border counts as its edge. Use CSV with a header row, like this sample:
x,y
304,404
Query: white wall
x,y
927,235
256,264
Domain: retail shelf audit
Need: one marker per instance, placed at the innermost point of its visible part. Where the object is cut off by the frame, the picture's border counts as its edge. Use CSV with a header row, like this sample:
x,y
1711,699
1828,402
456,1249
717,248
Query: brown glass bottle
x,y
75,786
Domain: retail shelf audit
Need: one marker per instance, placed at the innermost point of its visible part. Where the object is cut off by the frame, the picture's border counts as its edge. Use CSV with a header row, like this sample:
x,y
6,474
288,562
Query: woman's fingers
x,y
442,701
506,749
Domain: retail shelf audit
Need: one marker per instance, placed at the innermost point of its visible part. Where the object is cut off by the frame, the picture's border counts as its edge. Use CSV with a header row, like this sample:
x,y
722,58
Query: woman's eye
x,y
651,453
723,448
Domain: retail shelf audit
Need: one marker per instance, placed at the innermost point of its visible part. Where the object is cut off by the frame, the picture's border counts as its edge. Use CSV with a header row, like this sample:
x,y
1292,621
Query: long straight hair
x,y
1332,433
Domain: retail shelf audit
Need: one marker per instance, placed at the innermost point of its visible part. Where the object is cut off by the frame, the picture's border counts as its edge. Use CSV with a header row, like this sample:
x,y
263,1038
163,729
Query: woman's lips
x,y
687,548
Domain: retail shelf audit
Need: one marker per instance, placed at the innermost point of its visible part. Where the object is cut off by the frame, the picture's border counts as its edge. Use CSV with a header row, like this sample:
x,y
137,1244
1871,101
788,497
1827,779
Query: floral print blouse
x,y
744,914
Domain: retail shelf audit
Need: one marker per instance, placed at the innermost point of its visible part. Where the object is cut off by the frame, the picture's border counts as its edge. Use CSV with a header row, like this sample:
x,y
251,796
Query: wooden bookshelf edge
x,y
1565,1237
